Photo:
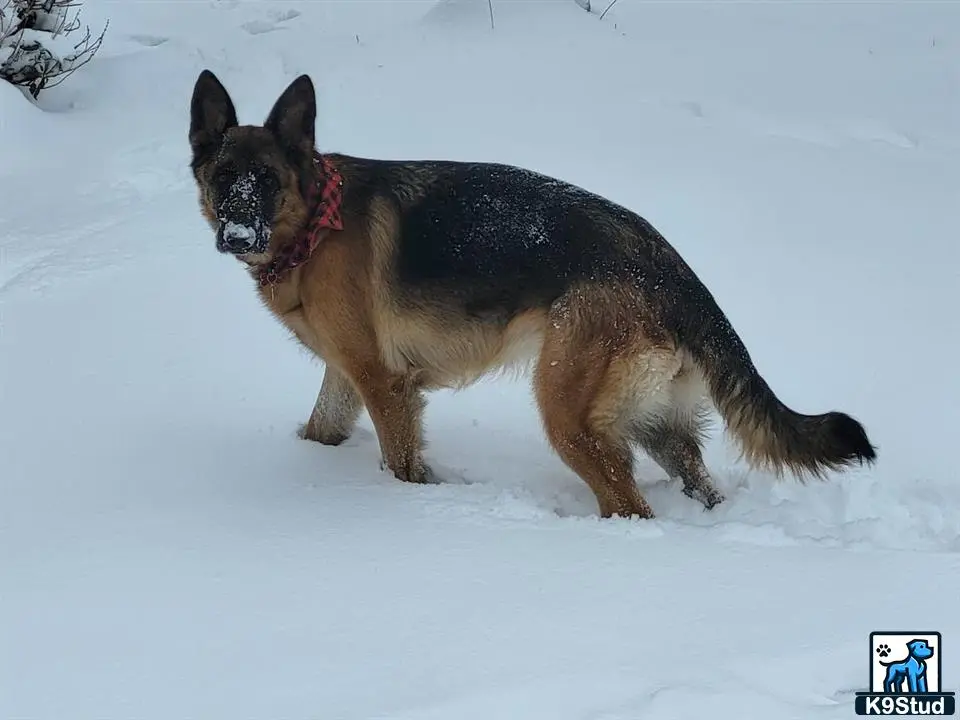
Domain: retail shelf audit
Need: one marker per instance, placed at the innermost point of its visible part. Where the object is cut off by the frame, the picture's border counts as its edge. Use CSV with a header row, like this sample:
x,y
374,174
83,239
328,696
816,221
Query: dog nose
x,y
237,237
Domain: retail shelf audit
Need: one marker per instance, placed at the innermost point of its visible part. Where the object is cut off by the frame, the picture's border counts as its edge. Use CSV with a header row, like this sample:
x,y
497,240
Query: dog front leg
x,y
396,403
912,685
336,410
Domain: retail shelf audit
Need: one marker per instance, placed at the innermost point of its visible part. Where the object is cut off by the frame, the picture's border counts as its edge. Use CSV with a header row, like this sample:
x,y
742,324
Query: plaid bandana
x,y
323,198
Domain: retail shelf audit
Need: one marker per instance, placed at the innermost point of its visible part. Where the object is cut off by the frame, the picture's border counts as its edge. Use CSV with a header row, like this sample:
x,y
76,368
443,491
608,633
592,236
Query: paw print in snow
x,y
259,27
883,650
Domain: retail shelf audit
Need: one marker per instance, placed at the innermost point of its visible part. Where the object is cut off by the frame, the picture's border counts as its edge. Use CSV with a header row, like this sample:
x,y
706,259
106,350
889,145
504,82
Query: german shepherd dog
x,y
432,274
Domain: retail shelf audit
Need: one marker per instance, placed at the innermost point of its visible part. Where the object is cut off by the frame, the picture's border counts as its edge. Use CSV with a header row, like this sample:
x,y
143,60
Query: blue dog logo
x,y
912,669
910,686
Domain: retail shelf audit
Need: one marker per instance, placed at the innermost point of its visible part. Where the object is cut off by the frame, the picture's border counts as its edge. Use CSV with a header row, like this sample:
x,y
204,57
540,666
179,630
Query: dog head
x,y
920,649
252,179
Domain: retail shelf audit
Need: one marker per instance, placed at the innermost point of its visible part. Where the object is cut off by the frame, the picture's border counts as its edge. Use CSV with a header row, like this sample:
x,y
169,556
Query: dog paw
x,y
415,471
417,474
333,438
708,496
883,650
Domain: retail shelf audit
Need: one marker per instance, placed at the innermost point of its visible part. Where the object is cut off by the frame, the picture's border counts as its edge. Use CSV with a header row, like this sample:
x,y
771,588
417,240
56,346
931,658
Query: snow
x,y
238,231
169,548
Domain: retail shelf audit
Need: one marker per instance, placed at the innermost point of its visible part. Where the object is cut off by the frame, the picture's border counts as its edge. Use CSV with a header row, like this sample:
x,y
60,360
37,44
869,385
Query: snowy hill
x,y
170,549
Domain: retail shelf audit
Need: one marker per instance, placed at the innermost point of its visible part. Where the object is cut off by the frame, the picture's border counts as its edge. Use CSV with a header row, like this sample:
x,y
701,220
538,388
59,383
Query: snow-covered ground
x,y
170,549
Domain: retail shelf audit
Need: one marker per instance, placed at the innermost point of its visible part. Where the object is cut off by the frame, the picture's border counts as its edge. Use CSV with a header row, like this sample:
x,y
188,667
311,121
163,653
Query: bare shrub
x,y
26,29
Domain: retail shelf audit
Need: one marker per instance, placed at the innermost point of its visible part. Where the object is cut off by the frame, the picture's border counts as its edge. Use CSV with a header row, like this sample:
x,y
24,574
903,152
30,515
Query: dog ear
x,y
211,115
294,116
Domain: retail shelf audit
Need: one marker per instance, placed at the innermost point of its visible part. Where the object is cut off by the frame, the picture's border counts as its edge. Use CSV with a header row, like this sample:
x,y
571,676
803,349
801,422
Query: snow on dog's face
x,y
245,200
252,179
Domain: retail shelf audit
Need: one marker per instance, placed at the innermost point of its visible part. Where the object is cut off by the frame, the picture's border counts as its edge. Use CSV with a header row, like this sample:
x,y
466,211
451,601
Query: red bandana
x,y
323,198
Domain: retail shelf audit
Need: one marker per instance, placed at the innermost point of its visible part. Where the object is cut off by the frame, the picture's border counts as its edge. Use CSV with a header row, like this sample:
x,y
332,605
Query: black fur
x,y
498,238
245,184
491,241
211,114
292,119
804,443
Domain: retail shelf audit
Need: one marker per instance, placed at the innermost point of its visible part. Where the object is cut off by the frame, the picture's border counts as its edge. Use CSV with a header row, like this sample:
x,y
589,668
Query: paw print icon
x,y
883,650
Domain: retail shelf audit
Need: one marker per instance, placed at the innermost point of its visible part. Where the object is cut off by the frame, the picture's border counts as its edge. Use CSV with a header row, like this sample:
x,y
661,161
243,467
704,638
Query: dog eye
x,y
270,181
223,176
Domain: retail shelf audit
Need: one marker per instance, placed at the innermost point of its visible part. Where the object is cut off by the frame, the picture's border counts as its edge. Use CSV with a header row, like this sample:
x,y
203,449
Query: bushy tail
x,y
771,435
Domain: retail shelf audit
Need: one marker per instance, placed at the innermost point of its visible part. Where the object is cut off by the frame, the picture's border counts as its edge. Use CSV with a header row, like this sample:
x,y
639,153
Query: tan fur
x,y
497,269
599,374
760,446
290,216
597,369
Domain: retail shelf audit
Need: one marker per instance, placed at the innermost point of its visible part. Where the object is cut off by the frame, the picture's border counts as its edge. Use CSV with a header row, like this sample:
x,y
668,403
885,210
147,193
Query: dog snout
x,y
239,237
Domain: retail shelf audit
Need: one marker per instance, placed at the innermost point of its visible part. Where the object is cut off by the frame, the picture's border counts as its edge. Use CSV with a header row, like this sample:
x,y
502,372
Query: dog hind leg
x,y
675,446
671,432
581,398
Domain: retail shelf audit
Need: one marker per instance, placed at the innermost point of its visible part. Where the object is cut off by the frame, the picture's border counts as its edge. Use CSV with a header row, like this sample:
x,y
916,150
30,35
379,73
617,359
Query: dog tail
x,y
771,435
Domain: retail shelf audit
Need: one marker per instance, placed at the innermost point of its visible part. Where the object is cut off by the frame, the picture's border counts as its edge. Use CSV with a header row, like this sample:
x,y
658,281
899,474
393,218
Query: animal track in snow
x,y
817,132
869,131
693,107
148,40
275,22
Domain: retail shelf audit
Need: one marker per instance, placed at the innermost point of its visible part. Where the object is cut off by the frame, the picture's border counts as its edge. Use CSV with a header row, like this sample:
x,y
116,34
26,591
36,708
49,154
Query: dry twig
x,y
24,61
